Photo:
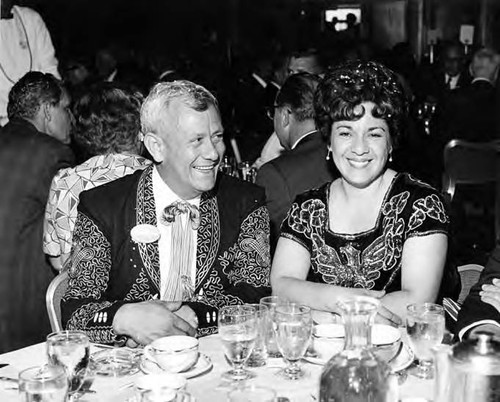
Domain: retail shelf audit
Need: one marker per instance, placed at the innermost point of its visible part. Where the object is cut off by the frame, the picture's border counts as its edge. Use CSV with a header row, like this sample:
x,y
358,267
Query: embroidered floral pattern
x,y
248,261
208,237
370,259
91,261
146,214
83,316
431,207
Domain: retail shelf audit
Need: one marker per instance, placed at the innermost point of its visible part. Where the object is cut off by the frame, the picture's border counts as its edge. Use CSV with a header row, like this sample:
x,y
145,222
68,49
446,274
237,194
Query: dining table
x,y
208,386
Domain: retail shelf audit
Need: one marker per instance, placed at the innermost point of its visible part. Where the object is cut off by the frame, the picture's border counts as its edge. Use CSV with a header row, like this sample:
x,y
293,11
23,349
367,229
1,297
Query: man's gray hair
x,y
192,95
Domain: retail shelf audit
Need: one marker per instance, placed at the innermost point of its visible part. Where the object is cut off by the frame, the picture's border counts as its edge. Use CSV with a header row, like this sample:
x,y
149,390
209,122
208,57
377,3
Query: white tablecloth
x,y
205,387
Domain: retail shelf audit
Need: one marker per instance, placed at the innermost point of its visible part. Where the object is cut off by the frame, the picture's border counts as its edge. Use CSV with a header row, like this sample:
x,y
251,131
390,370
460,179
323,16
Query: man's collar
x,y
301,138
164,191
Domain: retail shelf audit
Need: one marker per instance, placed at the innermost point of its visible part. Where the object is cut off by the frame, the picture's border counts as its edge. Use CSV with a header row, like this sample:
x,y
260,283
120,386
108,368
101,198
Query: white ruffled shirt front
x,y
165,196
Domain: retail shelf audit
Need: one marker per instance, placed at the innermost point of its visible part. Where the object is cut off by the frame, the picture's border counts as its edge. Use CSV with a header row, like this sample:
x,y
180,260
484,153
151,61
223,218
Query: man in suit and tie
x,y
470,112
31,153
303,165
160,251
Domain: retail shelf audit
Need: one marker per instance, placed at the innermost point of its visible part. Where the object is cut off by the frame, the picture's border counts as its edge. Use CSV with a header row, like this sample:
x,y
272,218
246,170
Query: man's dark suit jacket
x,y
470,113
28,161
301,169
109,269
473,309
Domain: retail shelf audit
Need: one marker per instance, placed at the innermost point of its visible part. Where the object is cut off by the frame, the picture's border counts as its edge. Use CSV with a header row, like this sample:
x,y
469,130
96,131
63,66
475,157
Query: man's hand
x,y
188,315
146,321
491,294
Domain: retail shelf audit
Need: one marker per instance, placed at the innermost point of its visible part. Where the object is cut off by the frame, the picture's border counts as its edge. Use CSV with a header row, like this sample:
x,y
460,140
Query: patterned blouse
x,y
61,210
370,259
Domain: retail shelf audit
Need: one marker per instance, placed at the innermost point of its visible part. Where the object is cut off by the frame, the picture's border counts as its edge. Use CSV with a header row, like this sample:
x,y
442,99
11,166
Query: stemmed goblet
x,y
71,351
425,326
238,331
293,333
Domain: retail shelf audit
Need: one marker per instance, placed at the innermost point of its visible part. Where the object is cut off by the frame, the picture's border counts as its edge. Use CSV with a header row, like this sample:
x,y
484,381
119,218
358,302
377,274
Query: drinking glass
x,y
293,333
425,327
71,351
258,357
43,384
238,331
271,302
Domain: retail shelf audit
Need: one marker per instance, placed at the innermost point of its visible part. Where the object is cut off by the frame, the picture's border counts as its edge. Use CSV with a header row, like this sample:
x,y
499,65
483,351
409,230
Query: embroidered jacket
x,y
108,269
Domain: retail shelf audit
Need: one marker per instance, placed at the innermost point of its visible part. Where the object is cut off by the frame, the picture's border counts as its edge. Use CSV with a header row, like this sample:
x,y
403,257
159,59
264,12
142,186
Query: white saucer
x,y
400,362
203,365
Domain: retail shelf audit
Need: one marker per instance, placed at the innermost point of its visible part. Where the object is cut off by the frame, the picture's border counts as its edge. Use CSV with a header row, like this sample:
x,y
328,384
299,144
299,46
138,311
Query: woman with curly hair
x,y
372,231
107,134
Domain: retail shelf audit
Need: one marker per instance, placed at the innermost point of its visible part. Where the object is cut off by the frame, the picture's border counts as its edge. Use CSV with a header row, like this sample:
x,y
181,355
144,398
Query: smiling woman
x,y
372,231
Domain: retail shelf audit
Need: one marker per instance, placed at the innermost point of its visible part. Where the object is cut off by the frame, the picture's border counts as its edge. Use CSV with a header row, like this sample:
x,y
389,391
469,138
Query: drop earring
x,y
390,157
328,154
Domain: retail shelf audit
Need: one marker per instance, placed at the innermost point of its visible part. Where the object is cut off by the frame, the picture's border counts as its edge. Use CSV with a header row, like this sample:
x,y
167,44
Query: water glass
x,y
293,333
238,331
43,384
71,351
271,302
252,393
425,326
258,357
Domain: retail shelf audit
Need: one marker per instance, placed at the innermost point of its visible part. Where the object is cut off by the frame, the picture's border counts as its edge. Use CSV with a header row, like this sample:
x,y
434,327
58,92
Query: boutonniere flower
x,y
144,233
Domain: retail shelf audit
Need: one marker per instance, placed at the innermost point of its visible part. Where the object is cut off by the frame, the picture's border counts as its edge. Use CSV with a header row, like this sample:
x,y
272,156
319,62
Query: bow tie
x,y
181,207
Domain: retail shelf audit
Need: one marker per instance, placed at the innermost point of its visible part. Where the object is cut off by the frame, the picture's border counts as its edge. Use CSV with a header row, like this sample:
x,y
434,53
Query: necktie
x,y
185,219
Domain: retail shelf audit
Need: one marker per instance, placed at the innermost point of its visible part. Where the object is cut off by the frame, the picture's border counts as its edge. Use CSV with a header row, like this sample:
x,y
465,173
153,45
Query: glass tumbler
x,y
43,384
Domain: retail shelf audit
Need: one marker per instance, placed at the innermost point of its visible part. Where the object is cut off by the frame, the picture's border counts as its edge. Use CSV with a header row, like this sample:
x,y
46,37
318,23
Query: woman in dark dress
x,y
372,231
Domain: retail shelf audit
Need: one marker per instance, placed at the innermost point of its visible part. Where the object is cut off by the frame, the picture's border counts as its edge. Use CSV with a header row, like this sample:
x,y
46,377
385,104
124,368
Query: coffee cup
x,y
173,354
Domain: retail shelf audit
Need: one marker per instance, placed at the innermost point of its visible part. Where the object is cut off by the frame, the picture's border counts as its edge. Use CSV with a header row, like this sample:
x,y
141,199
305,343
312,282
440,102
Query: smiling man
x,y
160,251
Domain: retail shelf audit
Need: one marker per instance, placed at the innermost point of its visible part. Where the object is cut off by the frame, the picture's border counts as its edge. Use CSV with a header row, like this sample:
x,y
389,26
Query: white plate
x,y
203,365
400,362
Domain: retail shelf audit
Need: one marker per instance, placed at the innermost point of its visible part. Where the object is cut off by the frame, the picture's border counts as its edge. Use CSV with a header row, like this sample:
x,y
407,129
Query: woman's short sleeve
x,y
305,218
428,214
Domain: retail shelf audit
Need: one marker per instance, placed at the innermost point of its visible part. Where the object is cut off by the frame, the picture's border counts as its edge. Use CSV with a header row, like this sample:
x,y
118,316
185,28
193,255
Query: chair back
x,y
468,163
469,275
55,292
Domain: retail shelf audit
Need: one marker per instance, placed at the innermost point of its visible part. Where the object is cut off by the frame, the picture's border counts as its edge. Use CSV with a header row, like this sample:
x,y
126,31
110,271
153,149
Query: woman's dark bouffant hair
x,y
353,83
107,120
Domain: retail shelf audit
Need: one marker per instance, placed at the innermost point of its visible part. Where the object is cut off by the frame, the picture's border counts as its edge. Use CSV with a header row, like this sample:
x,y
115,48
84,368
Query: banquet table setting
x,y
204,380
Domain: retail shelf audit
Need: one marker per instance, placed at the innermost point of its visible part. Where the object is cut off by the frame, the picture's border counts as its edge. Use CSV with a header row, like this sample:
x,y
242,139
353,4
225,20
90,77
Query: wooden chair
x,y
468,163
53,296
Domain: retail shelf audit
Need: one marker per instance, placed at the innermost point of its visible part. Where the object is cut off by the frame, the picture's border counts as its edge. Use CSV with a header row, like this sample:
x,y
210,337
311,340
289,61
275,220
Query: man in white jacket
x,y
25,45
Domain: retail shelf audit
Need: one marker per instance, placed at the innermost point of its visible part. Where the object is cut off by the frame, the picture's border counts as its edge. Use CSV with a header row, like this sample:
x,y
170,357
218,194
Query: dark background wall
x,y
173,25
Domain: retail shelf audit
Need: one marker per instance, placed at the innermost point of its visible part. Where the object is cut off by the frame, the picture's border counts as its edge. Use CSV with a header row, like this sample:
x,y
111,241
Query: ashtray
x,y
116,362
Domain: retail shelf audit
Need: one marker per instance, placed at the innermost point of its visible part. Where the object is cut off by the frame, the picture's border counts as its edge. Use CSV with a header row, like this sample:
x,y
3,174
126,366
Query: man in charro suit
x,y
160,251
304,164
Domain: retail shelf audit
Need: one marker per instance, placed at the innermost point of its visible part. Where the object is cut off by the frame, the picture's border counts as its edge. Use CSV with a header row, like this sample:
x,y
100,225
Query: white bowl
x,y
328,340
173,354
163,380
